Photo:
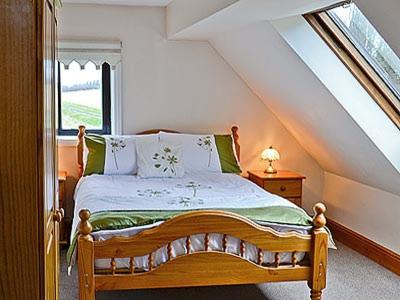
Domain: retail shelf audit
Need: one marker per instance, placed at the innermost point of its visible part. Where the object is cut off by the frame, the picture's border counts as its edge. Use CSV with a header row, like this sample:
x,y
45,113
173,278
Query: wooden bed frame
x,y
205,268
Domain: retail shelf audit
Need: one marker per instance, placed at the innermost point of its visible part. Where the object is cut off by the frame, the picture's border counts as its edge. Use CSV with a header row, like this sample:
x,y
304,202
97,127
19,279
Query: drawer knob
x,y
283,188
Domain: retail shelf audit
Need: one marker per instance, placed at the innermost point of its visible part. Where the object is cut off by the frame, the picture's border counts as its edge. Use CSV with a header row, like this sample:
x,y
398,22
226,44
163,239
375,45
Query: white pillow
x,y
156,159
199,150
120,156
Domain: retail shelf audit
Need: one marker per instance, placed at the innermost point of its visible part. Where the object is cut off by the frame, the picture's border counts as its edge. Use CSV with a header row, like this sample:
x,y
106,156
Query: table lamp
x,y
270,154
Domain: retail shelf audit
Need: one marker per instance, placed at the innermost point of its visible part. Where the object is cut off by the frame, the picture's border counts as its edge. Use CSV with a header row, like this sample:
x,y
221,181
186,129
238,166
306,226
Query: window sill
x,y
66,141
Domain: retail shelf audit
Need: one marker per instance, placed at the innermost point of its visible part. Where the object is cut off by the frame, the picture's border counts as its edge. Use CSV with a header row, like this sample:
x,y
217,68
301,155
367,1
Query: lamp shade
x,y
270,154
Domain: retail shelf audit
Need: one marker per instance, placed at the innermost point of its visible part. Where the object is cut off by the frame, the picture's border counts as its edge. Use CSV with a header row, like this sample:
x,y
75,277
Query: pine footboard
x,y
207,267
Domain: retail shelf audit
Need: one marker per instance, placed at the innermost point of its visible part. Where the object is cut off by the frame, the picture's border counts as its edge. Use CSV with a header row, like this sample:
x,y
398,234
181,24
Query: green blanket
x,y
113,220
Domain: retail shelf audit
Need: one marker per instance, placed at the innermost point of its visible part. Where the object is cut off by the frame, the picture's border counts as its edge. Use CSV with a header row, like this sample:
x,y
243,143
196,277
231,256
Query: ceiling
x,y
243,34
122,2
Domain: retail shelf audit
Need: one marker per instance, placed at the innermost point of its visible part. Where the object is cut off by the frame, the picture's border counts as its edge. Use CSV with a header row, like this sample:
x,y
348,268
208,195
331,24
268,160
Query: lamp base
x,y
270,170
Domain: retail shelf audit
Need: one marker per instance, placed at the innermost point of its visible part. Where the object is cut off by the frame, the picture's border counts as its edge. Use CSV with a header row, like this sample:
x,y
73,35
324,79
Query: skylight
x,y
369,43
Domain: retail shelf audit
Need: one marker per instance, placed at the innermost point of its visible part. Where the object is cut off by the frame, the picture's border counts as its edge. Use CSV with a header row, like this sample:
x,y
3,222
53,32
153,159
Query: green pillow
x,y
96,145
226,155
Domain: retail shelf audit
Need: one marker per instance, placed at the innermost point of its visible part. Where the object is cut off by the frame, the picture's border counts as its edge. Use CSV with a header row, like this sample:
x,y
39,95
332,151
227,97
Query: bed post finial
x,y
85,228
319,253
85,257
235,136
319,220
80,147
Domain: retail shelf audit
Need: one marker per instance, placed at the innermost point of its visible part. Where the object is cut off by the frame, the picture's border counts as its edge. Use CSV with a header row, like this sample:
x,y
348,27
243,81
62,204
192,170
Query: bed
x,y
199,230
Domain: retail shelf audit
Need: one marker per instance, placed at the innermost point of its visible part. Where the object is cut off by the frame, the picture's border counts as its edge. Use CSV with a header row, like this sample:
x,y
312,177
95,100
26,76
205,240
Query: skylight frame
x,y
356,63
378,69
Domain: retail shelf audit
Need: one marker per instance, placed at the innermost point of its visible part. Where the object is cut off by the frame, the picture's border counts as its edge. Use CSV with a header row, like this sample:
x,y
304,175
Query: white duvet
x,y
193,191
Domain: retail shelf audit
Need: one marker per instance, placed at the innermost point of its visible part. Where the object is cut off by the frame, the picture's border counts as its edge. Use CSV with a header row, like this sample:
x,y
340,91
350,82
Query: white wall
x,y
201,20
307,108
184,85
366,210
323,126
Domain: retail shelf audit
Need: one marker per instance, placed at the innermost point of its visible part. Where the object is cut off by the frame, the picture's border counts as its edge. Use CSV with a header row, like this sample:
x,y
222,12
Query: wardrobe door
x,y
52,215
21,240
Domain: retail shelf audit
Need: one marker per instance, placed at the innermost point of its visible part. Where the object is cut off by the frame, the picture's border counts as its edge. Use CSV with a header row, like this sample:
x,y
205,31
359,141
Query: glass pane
x,y
81,97
369,42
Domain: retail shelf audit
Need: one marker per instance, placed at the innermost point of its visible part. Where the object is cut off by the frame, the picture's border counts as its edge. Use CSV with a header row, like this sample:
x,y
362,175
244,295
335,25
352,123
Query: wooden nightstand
x,y
62,178
287,184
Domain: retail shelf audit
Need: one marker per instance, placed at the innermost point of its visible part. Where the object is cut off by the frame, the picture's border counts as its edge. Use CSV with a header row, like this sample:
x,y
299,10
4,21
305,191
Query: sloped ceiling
x,y
194,19
317,120
294,93
122,2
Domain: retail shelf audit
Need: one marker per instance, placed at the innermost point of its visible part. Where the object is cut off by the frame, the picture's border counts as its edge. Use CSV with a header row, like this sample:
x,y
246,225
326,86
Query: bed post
x,y
319,253
80,147
85,257
235,136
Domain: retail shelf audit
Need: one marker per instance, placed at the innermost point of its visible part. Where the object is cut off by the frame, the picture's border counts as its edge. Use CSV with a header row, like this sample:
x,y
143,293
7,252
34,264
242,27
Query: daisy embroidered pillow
x,y
205,152
157,159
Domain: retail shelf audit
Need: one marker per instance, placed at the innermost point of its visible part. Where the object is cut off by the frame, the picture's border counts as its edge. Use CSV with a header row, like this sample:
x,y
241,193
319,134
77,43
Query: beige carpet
x,y
350,276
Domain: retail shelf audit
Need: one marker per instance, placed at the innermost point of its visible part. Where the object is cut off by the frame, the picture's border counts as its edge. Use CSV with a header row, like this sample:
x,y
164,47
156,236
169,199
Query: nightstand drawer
x,y
284,188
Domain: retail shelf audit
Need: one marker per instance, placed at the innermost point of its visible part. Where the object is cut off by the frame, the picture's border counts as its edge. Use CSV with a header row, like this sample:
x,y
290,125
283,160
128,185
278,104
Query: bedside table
x,y
62,178
286,184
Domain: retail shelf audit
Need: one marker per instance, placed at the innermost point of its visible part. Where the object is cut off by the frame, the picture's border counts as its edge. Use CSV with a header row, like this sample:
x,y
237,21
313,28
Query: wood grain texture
x,y
202,269
279,175
285,188
235,135
86,267
319,253
64,227
155,131
19,165
286,184
47,155
80,149
383,256
197,222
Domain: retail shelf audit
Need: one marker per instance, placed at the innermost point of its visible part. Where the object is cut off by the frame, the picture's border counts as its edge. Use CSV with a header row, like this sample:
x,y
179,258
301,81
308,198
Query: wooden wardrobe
x,y
29,215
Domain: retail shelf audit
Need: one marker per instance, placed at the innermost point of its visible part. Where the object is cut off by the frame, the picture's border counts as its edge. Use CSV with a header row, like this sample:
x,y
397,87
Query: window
x,y
364,52
84,98
369,43
89,81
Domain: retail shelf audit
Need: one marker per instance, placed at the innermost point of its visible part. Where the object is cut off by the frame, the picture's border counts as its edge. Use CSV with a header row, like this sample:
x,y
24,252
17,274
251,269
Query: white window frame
x,y
97,52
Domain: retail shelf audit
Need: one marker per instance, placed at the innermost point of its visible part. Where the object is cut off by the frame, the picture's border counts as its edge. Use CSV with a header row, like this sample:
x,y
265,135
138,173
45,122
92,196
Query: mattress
x,y
194,191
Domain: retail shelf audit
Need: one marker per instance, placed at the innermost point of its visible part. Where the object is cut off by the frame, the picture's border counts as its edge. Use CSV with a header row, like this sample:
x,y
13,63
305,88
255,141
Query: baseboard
x,y
381,255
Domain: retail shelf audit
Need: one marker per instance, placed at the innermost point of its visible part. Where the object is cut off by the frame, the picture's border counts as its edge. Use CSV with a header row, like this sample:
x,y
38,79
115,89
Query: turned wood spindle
x,y
319,253
169,251
260,257
132,265
315,295
224,242
242,248
188,244
151,262
80,149
277,259
294,259
206,241
235,136
113,266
